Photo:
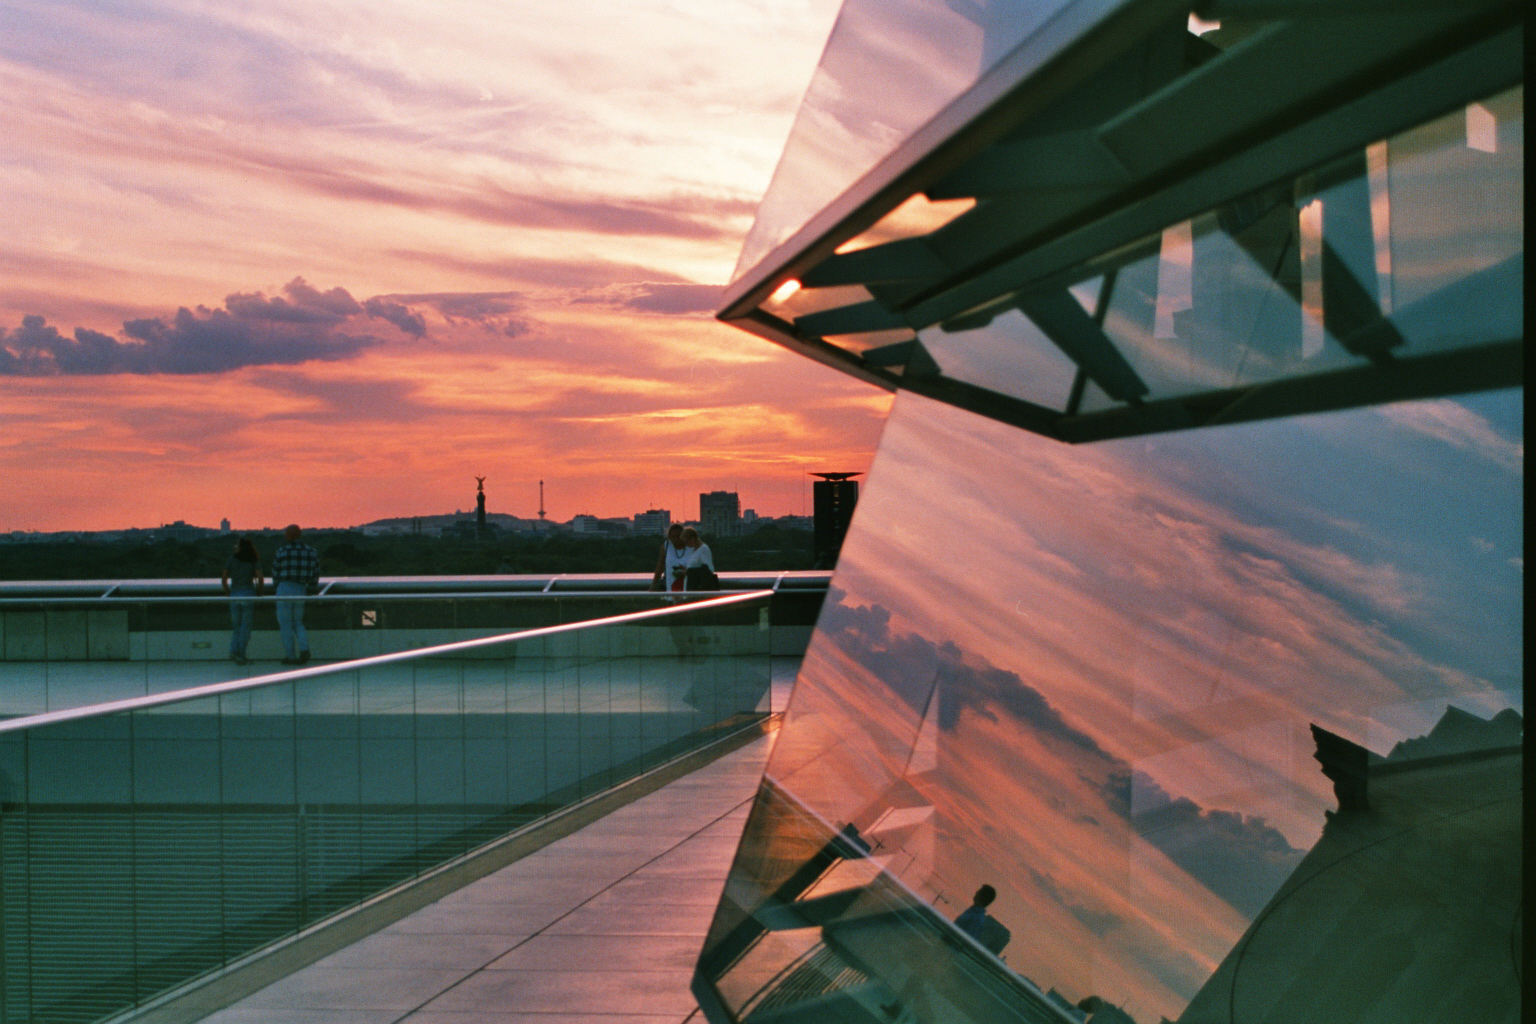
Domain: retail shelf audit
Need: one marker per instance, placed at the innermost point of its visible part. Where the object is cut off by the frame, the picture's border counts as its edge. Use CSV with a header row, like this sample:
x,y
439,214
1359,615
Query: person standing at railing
x,y
699,571
671,561
295,571
242,582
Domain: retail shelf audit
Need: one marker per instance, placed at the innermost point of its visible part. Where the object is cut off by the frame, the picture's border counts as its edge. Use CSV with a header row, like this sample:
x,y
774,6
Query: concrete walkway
x,y
602,926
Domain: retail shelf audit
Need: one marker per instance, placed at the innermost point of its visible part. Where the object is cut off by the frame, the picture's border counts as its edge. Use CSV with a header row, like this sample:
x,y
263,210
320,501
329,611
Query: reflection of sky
x,y
1129,640
1202,310
889,66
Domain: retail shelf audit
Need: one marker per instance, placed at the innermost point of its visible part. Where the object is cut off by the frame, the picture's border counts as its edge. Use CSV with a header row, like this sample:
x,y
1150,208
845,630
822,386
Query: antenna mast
x,y
541,499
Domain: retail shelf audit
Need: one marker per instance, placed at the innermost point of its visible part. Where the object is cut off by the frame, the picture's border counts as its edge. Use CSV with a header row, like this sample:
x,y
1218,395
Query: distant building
x,y
720,514
592,526
181,531
653,521
224,525
833,499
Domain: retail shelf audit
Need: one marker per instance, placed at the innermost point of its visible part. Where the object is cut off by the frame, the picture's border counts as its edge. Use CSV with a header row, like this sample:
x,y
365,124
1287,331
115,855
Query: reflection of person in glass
x,y
1101,1011
979,925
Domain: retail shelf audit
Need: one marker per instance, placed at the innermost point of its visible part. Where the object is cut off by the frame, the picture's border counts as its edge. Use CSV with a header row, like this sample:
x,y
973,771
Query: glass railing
x,y
150,841
60,648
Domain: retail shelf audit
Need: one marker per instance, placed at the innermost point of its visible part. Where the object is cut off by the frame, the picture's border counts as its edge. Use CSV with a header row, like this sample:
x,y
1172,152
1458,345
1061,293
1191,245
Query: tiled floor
x,y
601,926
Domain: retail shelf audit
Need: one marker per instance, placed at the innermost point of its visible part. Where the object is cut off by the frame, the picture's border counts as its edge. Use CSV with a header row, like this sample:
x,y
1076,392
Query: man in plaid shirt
x,y
295,569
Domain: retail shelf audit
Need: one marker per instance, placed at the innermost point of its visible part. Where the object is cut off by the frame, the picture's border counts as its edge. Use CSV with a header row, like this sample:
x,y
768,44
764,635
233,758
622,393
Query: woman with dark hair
x,y
242,583
670,562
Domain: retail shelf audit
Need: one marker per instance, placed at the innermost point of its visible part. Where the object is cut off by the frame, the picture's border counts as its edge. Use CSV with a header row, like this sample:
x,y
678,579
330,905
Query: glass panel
x,y
1441,238
1010,355
919,215
889,67
67,652
789,303
1227,719
1425,229
140,849
1409,247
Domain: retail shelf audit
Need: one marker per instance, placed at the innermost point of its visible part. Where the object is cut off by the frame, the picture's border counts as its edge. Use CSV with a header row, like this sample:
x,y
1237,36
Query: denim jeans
x,y
242,611
290,619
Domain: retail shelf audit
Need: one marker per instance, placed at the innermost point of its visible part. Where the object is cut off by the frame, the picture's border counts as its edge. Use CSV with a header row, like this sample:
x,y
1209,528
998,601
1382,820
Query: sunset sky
x,y
327,262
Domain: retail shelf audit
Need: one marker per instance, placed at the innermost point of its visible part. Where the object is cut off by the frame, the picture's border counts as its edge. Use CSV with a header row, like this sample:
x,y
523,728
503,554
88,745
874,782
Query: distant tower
x,y
833,499
480,507
541,499
223,525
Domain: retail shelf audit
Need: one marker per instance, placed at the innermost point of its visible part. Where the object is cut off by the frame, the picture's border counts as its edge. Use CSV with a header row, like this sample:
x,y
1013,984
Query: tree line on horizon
x,y
351,553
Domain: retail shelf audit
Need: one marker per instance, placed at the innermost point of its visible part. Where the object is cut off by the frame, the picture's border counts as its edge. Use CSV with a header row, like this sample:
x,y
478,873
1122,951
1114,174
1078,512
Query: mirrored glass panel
x,y
889,66
1010,355
1216,725
1393,272
1410,247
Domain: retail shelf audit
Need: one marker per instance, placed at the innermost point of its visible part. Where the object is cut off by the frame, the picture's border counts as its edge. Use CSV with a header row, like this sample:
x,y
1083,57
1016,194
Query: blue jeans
x,y
242,611
290,619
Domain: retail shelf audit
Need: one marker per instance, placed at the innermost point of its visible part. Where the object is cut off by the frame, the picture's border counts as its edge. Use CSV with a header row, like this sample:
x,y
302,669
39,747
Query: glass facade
x,y
889,68
1123,219
1366,258
1172,668
1204,709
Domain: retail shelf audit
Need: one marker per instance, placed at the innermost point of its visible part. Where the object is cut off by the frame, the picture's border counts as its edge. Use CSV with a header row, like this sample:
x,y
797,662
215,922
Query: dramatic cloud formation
x,y
542,201
1240,857
499,312
1097,664
301,325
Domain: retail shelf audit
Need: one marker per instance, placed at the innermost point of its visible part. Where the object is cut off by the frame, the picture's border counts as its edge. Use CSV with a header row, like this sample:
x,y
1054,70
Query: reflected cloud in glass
x,y
1103,679
889,67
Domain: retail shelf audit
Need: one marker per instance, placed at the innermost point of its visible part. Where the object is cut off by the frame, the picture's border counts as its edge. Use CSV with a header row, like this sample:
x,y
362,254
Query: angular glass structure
x,y
1172,669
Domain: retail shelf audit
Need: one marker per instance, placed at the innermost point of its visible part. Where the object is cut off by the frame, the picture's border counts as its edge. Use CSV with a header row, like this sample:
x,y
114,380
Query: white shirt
x,y
701,556
676,558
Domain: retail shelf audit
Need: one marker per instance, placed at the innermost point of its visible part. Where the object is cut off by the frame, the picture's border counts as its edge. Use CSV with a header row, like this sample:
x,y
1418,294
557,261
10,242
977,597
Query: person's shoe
x,y
303,657
239,659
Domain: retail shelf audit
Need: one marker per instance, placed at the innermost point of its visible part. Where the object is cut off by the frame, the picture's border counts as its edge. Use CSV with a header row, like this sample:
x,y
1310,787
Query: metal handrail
x,y
120,591
261,682
324,598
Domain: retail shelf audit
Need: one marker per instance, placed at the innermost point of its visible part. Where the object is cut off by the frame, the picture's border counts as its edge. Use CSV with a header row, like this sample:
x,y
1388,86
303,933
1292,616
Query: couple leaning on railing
x,y
684,563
